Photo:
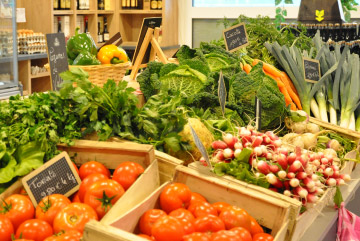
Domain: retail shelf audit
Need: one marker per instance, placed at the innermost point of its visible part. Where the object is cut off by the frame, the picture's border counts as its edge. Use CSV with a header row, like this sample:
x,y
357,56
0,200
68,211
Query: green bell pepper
x,y
78,43
86,58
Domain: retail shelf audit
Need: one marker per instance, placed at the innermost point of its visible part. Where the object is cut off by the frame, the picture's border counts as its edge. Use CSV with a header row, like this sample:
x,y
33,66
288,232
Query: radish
x,y
282,161
323,167
258,151
287,193
345,177
336,174
320,191
220,155
264,149
283,150
268,156
316,162
331,182
277,143
329,172
287,185
302,192
291,158
335,168
257,174
294,182
248,144
301,175
273,180
320,170
266,139
334,145
237,153
230,140
320,155
309,183
274,168
312,189
312,157
263,167
257,141
295,166
219,145
340,182
203,162
238,145
282,174
311,198
291,175
324,161
271,135
303,159
314,177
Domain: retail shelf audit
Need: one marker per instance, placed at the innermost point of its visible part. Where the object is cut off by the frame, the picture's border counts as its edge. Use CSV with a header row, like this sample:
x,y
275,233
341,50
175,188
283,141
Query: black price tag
x,y
235,37
200,146
258,114
56,49
222,93
56,176
311,70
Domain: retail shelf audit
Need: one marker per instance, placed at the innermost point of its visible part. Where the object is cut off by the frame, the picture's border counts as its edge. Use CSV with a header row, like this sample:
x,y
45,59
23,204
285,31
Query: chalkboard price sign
x,y
235,37
56,176
311,70
57,56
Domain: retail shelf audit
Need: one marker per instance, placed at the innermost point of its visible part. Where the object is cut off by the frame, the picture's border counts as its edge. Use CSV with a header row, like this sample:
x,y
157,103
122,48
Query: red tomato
x,y
17,208
102,195
70,235
255,227
219,206
196,197
91,167
208,223
126,173
76,198
74,216
225,235
235,217
199,209
87,182
182,213
174,196
187,225
6,228
168,228
23,192
35,229
244,234
50,206
76,168
263,237
148,219
22,239
197,237
146,237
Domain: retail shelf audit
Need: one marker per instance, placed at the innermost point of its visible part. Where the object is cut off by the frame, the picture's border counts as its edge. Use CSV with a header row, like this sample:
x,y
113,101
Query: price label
x,y
311,70
56,176
258,114
222,93
235,37
200,146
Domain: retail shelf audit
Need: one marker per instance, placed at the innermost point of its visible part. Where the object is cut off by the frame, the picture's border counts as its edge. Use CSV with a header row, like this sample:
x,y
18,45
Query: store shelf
x,y
22,57
63,12
85,12
40,75
140,11
105,11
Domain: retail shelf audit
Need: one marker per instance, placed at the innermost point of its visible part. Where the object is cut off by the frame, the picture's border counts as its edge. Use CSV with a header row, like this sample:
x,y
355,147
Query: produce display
x,y
56,217
187,216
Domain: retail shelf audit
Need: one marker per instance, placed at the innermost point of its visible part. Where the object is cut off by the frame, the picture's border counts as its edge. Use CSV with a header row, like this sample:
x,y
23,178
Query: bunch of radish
x,y
301,174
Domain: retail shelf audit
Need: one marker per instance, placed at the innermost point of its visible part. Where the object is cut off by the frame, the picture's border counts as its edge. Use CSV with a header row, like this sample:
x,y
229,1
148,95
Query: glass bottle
x,y
86,24
59,25
106,31
56,4
100,36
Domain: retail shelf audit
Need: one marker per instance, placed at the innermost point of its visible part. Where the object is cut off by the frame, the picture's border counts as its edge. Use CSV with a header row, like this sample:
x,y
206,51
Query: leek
x,y
321,100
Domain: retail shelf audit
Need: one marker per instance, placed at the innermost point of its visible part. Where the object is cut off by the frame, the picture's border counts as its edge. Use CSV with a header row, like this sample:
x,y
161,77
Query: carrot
x,y
287,81
292,94
283,90
247,68
268,68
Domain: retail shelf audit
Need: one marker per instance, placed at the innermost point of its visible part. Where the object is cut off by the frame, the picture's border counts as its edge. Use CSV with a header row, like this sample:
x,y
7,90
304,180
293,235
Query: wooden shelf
x,y
140,11
63,12
85,12
44,74
105,11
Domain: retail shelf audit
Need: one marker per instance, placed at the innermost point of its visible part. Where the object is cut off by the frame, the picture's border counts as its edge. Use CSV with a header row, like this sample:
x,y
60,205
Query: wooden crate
x,y
268,211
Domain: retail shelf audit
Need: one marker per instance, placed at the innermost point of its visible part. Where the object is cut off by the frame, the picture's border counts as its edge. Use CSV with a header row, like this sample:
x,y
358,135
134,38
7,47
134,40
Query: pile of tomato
x,y
187,216
56,218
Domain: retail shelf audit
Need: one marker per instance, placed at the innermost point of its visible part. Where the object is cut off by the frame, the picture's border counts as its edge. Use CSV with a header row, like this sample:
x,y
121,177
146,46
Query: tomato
x,y
167,228
87,182
17,208
70,235
174,196
235,217
255,227
76,198
244,234
146,237
219,206
197,237
22,239
102,195
225,235
263,237
50,206
35,229
91,167
126,173
182,213
196,197
74,216
23,192
6,228
148,219
199,209
76,168
209,223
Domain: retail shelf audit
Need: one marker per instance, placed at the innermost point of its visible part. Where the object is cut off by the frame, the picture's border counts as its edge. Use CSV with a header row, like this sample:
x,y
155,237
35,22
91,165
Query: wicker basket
x,y
99,74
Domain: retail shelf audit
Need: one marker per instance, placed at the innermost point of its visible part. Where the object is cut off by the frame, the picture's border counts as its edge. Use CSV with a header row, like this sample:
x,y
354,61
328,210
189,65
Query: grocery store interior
x,y
179,120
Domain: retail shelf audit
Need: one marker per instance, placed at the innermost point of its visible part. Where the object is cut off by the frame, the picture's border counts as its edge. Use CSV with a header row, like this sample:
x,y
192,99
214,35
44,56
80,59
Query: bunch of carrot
x,y
283,81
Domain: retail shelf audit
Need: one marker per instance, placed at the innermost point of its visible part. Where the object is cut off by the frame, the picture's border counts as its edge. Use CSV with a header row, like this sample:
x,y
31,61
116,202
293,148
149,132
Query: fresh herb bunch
x,y
348,6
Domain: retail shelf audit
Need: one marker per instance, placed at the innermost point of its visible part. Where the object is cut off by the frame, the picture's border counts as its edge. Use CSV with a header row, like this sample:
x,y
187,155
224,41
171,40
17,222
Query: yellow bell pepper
x,y
111,54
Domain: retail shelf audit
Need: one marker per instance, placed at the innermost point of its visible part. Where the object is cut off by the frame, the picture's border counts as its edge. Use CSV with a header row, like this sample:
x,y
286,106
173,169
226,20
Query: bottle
x,y
153,4
133,4
59,24
159,4
123,4
128,4
56,4
78,4
86,5
62,4
67,4
86,25
106,35
100,36
100,4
